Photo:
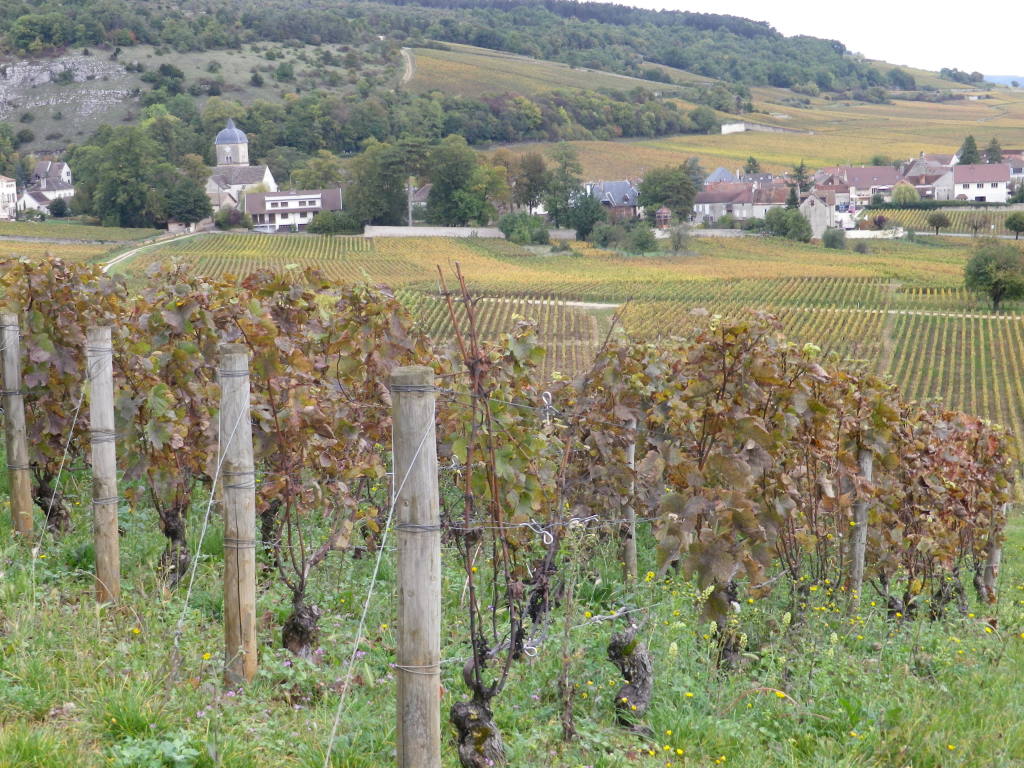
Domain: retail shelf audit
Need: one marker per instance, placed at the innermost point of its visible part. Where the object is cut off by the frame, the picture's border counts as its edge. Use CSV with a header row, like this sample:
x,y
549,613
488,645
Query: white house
x,y
8,198
981,183
289,211
233,177
31,200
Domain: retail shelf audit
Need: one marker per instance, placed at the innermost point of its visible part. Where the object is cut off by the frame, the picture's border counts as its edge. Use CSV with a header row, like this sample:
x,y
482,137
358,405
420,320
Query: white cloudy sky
x,y
929,35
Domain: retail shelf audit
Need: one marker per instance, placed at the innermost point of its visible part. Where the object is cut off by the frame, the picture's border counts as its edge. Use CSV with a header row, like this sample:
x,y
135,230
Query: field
x,y
468,71
841,133
900,308
67,251
961,220
58,230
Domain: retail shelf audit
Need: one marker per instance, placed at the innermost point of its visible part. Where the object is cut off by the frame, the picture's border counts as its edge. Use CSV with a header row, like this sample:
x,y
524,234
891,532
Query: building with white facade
x,y
289,211
233,177
8,198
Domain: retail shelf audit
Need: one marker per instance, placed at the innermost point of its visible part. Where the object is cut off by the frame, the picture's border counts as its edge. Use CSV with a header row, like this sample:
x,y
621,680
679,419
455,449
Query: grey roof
x,y
233,175
719,174
614,193
330,200
230,135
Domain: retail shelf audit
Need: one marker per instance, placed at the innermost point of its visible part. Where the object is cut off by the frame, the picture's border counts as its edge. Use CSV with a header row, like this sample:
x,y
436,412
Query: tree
x,y
322,171
801,178
834,238
377,194
564,183
968,154
752,165
461,187
904,193
585,213
792,199
993,152
123,195
529,180
679,239
333,223
1015,223
188,203
976,222
669,187
937,221
59,208
192,166
641,240
704,119
798,227
996,269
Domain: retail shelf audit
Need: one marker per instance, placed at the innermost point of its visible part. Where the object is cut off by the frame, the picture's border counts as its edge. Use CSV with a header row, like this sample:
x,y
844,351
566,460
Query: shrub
x,y
334,223
834,238
861,246
231,218
641,240
524,228
59,208
606,235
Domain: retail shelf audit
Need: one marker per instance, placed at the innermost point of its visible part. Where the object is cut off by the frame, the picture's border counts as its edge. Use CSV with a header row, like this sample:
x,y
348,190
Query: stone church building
x,y
233,176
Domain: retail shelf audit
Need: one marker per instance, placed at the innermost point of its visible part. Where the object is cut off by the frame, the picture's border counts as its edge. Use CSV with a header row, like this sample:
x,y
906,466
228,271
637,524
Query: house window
x,y
980,185
995,184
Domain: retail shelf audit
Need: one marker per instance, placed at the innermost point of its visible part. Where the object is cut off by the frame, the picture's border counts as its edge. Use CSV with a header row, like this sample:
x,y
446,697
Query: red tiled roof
x,y
968,174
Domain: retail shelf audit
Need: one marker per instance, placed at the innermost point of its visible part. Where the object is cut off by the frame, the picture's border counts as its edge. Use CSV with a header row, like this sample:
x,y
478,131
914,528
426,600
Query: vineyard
x,y
68,251
675,559
57,230
963,221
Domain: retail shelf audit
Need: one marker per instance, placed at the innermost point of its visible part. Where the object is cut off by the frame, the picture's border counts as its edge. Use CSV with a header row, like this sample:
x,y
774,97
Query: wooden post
x,y
239,499
629,545
99,366
18,477
859,538
417,508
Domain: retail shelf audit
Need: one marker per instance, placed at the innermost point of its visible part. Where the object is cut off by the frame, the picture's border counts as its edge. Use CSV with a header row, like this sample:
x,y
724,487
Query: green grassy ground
x,y
98,686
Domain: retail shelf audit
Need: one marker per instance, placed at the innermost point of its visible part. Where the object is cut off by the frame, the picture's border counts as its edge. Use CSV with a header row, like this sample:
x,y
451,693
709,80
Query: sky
x,y
928,35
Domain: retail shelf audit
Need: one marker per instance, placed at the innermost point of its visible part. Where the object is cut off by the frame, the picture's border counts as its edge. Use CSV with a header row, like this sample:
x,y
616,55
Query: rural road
x,y
123,257
410,70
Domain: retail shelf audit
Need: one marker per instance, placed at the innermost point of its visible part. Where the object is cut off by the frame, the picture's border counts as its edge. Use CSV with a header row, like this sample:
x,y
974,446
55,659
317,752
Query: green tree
x,y
124,196
192,166
996,269
641,240
585,213
792,199
704,119
529,180
968,154
797,227
1015,223
801,178
669,187
993,152
834,238
752,165
187,202
564,183
333,223
937,221
58,208
904,194
455,194
322,171
377,193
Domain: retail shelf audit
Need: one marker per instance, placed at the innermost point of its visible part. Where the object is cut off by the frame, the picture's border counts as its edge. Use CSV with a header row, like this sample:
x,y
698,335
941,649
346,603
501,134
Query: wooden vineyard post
x,y
859,538
629,545
239,507
19,480
99,367
417,509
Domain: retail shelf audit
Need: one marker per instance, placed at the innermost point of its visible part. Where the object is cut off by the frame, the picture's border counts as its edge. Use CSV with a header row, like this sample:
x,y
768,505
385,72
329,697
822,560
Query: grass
x,y
59,230
88,686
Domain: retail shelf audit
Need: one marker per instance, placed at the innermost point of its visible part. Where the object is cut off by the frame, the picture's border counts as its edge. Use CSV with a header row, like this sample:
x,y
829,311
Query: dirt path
x,y
410,68
123,257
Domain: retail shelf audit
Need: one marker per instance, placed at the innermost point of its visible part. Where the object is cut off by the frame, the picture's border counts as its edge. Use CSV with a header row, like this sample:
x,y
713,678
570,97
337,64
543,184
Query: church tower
x,y
232,146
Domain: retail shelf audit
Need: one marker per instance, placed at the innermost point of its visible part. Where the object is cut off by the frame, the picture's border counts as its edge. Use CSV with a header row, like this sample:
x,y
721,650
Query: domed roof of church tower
x,y
230,135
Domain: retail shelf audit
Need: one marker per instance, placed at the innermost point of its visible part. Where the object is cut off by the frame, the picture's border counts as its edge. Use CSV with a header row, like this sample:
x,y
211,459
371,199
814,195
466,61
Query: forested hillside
x,y
596,35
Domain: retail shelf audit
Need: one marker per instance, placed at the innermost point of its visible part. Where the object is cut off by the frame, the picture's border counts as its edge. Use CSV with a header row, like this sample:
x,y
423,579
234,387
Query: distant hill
x,y
1005,79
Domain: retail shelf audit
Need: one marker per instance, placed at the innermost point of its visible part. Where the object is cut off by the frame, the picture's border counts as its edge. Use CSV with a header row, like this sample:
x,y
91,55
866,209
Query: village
x,y
835,197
